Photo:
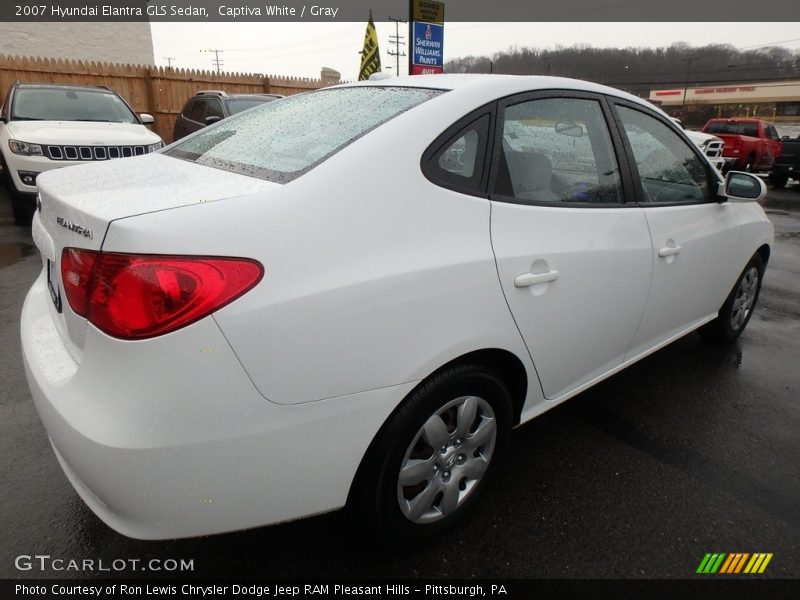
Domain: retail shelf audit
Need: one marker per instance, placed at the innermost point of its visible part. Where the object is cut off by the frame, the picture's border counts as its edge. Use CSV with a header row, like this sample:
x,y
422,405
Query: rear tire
x,y
446,439
778,181
750,164
738,308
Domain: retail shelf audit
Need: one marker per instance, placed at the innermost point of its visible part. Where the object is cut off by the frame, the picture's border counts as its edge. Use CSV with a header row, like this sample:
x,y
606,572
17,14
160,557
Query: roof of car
x,y
61,86
500,85
224,94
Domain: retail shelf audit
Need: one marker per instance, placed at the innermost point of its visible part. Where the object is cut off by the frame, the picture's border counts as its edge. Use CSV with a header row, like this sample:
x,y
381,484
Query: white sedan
x,y
351,296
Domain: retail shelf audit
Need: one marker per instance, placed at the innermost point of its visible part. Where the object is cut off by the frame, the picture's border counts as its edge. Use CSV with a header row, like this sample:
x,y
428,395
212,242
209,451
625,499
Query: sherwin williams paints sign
x,y
427,34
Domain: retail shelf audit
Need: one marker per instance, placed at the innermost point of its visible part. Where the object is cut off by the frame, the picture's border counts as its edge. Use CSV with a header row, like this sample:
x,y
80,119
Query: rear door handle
x,y
529,279
669,251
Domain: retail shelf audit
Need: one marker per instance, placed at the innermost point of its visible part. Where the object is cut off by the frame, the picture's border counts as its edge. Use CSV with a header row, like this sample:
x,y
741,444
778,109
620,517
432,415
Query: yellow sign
x,y
427,11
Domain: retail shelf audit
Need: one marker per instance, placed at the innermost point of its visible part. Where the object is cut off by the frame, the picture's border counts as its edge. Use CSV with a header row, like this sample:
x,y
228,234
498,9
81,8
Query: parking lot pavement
x,y
693,450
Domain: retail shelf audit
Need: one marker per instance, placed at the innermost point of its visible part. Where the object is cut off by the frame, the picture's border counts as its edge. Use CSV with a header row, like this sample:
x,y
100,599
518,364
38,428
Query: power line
x,y
769,44
169,60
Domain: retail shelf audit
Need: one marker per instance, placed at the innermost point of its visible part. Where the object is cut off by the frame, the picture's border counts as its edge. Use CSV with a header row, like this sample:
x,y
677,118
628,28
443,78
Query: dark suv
x,y
210,106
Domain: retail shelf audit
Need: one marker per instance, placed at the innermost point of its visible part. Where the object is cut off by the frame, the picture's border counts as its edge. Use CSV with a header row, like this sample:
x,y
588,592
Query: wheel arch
x,y
764,250
506,364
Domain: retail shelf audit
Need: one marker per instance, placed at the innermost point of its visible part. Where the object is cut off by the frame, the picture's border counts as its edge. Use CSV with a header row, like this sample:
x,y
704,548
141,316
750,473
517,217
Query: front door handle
x,y
669,251
529,279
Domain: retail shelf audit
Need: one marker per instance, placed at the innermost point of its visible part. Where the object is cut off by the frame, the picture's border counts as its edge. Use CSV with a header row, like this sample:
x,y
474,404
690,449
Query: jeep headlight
x,y
154,147
24,148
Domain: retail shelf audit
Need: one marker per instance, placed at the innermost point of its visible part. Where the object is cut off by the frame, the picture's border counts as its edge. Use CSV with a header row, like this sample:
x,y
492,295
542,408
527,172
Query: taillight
x,y
133,296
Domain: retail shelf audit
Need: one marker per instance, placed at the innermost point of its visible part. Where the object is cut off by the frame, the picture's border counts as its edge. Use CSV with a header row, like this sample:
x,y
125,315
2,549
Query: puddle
x,y
11,252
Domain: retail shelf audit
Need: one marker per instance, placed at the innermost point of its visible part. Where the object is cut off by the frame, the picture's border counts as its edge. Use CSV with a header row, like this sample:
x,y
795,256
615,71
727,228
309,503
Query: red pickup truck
x,y
750,144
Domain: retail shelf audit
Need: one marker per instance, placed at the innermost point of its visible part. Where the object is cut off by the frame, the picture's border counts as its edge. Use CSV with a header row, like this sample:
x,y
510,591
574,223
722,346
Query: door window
x,y
557,150
669,170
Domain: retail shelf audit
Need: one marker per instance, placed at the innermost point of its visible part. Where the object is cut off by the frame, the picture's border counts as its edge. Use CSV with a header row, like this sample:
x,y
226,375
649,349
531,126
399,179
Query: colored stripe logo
x,y
734,563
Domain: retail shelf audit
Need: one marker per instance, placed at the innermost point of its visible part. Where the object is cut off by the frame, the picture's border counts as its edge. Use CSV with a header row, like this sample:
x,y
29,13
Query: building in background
x,y
330,76
777,101
130,43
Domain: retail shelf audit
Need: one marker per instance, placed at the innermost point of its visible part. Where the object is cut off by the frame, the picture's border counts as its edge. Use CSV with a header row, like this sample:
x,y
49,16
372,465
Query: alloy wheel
x,y
745,298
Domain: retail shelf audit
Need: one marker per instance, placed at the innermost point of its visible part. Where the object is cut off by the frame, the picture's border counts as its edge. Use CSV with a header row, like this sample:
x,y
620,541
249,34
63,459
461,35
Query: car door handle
x,y
668,251
529,279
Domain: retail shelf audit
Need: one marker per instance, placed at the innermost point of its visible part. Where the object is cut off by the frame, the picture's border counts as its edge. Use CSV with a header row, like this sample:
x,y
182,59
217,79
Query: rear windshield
x,y
281,140
237,105
734,128
54,104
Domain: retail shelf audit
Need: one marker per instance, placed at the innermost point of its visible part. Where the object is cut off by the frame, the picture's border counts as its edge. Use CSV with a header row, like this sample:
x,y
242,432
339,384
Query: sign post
x,y
426,30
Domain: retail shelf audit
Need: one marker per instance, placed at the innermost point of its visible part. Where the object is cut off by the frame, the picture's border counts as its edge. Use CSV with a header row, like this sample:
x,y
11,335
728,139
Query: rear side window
x,y
557,150
459,162
281,140
733,128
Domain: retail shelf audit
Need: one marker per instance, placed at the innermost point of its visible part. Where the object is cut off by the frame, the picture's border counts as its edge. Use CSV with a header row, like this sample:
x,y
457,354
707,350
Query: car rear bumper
x,y
168,438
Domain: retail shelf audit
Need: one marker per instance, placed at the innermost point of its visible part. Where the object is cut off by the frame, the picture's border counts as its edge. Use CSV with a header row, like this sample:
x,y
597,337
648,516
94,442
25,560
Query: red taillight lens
x,y
140,296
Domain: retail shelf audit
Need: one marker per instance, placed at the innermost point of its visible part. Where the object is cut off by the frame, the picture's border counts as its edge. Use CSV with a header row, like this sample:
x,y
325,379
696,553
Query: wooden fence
x,y
160,91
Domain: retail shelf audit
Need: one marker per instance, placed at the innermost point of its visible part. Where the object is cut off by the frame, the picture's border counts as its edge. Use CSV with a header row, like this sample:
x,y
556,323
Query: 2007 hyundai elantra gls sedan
x,y
350,297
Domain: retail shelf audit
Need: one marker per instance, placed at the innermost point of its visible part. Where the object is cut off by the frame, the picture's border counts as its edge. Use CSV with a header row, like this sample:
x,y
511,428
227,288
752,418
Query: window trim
x,y
711,173
429,160
625,181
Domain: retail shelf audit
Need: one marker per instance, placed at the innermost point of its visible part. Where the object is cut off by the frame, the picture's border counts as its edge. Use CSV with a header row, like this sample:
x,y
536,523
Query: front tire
x,y
738,308
426,467
23,213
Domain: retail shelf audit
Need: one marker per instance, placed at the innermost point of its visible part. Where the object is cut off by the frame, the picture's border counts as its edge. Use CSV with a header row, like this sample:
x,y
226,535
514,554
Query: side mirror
x,y
147,119
743,187
212,119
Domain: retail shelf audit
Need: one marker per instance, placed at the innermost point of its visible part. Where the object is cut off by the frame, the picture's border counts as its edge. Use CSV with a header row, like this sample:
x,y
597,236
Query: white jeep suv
x,y
44,127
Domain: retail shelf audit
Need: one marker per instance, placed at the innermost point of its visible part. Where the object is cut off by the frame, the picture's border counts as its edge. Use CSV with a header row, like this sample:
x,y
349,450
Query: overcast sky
x,y
301,49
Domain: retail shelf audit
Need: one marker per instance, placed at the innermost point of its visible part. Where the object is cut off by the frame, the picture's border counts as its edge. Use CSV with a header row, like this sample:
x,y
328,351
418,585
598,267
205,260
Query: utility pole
x,y
216,61
395,40
686,83
169,60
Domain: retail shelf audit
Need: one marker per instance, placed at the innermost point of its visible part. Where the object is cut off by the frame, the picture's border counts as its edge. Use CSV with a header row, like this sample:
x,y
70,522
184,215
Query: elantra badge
x,y
79,229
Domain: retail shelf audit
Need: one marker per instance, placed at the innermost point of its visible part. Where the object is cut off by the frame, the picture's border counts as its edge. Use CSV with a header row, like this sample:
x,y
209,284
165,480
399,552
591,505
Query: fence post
x,y
265,84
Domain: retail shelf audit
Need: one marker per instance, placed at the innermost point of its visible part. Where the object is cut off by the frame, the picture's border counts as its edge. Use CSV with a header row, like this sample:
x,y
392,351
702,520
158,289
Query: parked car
x,y
750,144
44,127
210,106
317,303
711,145
787,165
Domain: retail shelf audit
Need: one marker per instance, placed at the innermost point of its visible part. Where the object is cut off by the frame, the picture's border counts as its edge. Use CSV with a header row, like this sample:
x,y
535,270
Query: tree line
x,y
638,70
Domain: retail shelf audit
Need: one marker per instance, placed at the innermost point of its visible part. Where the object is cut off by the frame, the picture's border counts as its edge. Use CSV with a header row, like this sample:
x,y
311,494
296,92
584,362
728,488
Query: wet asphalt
x,y
695,449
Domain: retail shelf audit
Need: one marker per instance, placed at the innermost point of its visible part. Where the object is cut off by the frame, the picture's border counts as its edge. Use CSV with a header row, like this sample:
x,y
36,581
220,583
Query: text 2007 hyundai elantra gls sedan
x,y
350,296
